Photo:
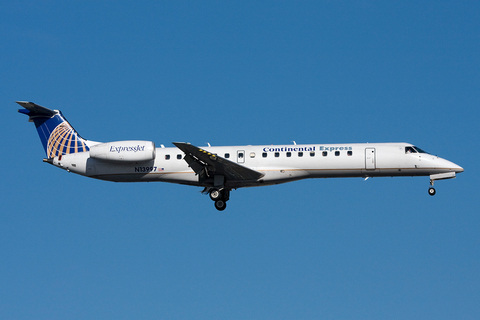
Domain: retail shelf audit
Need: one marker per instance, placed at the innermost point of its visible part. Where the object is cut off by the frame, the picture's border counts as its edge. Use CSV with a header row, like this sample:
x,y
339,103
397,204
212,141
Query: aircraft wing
x,y
204,162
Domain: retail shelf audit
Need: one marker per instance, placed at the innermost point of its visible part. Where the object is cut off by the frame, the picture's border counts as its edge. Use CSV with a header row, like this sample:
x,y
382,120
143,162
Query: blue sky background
x,y
233,73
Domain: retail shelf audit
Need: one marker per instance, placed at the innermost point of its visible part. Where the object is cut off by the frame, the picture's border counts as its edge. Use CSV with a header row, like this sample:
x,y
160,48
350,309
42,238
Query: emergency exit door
x,y
241,156
370,161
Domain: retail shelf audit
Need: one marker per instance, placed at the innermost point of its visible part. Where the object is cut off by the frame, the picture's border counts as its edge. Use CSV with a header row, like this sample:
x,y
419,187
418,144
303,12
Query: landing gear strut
x,y
220,196
431,190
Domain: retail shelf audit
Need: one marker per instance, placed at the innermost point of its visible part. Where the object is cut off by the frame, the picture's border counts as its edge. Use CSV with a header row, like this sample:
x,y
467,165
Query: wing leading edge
x,y
207,164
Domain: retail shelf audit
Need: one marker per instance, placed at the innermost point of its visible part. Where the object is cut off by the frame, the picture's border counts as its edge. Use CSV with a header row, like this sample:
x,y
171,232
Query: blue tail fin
x,y
57,135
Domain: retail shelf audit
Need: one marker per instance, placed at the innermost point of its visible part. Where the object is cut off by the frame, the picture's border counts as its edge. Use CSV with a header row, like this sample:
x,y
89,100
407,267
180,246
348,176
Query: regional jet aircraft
x,y
221,169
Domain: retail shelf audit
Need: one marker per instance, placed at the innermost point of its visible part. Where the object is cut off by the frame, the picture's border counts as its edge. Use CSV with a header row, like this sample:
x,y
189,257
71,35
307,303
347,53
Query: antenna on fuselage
x,y
294,142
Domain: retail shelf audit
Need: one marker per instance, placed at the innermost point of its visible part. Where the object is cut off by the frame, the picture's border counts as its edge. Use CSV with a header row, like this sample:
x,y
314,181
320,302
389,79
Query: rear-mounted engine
x,y
128,151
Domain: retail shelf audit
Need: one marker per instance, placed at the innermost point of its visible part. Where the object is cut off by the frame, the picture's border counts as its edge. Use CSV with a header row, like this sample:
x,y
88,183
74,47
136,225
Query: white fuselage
x,y
221,169
278,163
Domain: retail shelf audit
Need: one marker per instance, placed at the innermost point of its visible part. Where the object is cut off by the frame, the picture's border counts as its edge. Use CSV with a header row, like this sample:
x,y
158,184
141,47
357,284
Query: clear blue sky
x,y
232,73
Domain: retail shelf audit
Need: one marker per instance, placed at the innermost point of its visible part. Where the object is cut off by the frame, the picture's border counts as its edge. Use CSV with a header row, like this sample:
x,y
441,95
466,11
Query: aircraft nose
x,y
457,168
451,166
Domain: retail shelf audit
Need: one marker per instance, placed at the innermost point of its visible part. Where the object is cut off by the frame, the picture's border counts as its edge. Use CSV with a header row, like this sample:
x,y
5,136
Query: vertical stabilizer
x,y
57,135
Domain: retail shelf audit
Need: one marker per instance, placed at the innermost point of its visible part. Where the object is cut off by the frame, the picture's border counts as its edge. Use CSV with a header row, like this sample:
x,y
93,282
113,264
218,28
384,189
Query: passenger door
x,y
370,161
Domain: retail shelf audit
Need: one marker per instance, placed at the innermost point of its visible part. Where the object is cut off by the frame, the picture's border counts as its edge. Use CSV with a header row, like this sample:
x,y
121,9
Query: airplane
x,y
222,169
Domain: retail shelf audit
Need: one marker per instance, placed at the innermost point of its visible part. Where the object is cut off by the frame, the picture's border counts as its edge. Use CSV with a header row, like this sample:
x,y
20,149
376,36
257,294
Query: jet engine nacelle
x,y
127,151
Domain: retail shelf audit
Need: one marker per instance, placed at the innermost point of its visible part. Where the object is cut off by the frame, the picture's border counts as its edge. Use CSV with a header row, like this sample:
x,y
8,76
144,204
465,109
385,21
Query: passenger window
x,y
252,154
337,153
227,155
289,154
167,157
324,153
349,153
264,154
179,156
277,154
240,155
312,154
300,154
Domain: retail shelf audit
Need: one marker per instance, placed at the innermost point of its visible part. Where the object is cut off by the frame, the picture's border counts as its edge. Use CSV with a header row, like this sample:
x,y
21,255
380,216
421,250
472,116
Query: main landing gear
x,y
220,196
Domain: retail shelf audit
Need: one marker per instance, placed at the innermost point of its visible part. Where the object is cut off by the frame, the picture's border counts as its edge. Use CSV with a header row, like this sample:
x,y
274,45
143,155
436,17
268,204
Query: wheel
x,y
220,205
216,194
431,191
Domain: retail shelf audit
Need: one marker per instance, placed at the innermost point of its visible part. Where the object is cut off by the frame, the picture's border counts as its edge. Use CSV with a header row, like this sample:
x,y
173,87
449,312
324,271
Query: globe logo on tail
x,y
65,140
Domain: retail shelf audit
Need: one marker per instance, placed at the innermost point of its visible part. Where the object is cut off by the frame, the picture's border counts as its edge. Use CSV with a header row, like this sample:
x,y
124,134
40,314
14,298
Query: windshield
x,y
412,149
420,150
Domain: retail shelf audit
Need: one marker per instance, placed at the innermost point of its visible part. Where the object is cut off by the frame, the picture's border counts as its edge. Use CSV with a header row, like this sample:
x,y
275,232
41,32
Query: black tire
x,y
216,194
220,205
431,191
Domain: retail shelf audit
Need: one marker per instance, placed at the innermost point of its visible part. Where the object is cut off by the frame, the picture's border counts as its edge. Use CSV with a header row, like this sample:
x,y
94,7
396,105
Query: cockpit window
x,y
414,150
410,150
420,150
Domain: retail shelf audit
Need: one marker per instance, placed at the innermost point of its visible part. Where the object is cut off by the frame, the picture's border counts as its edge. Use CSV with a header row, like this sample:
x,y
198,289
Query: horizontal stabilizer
x,y
34,110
